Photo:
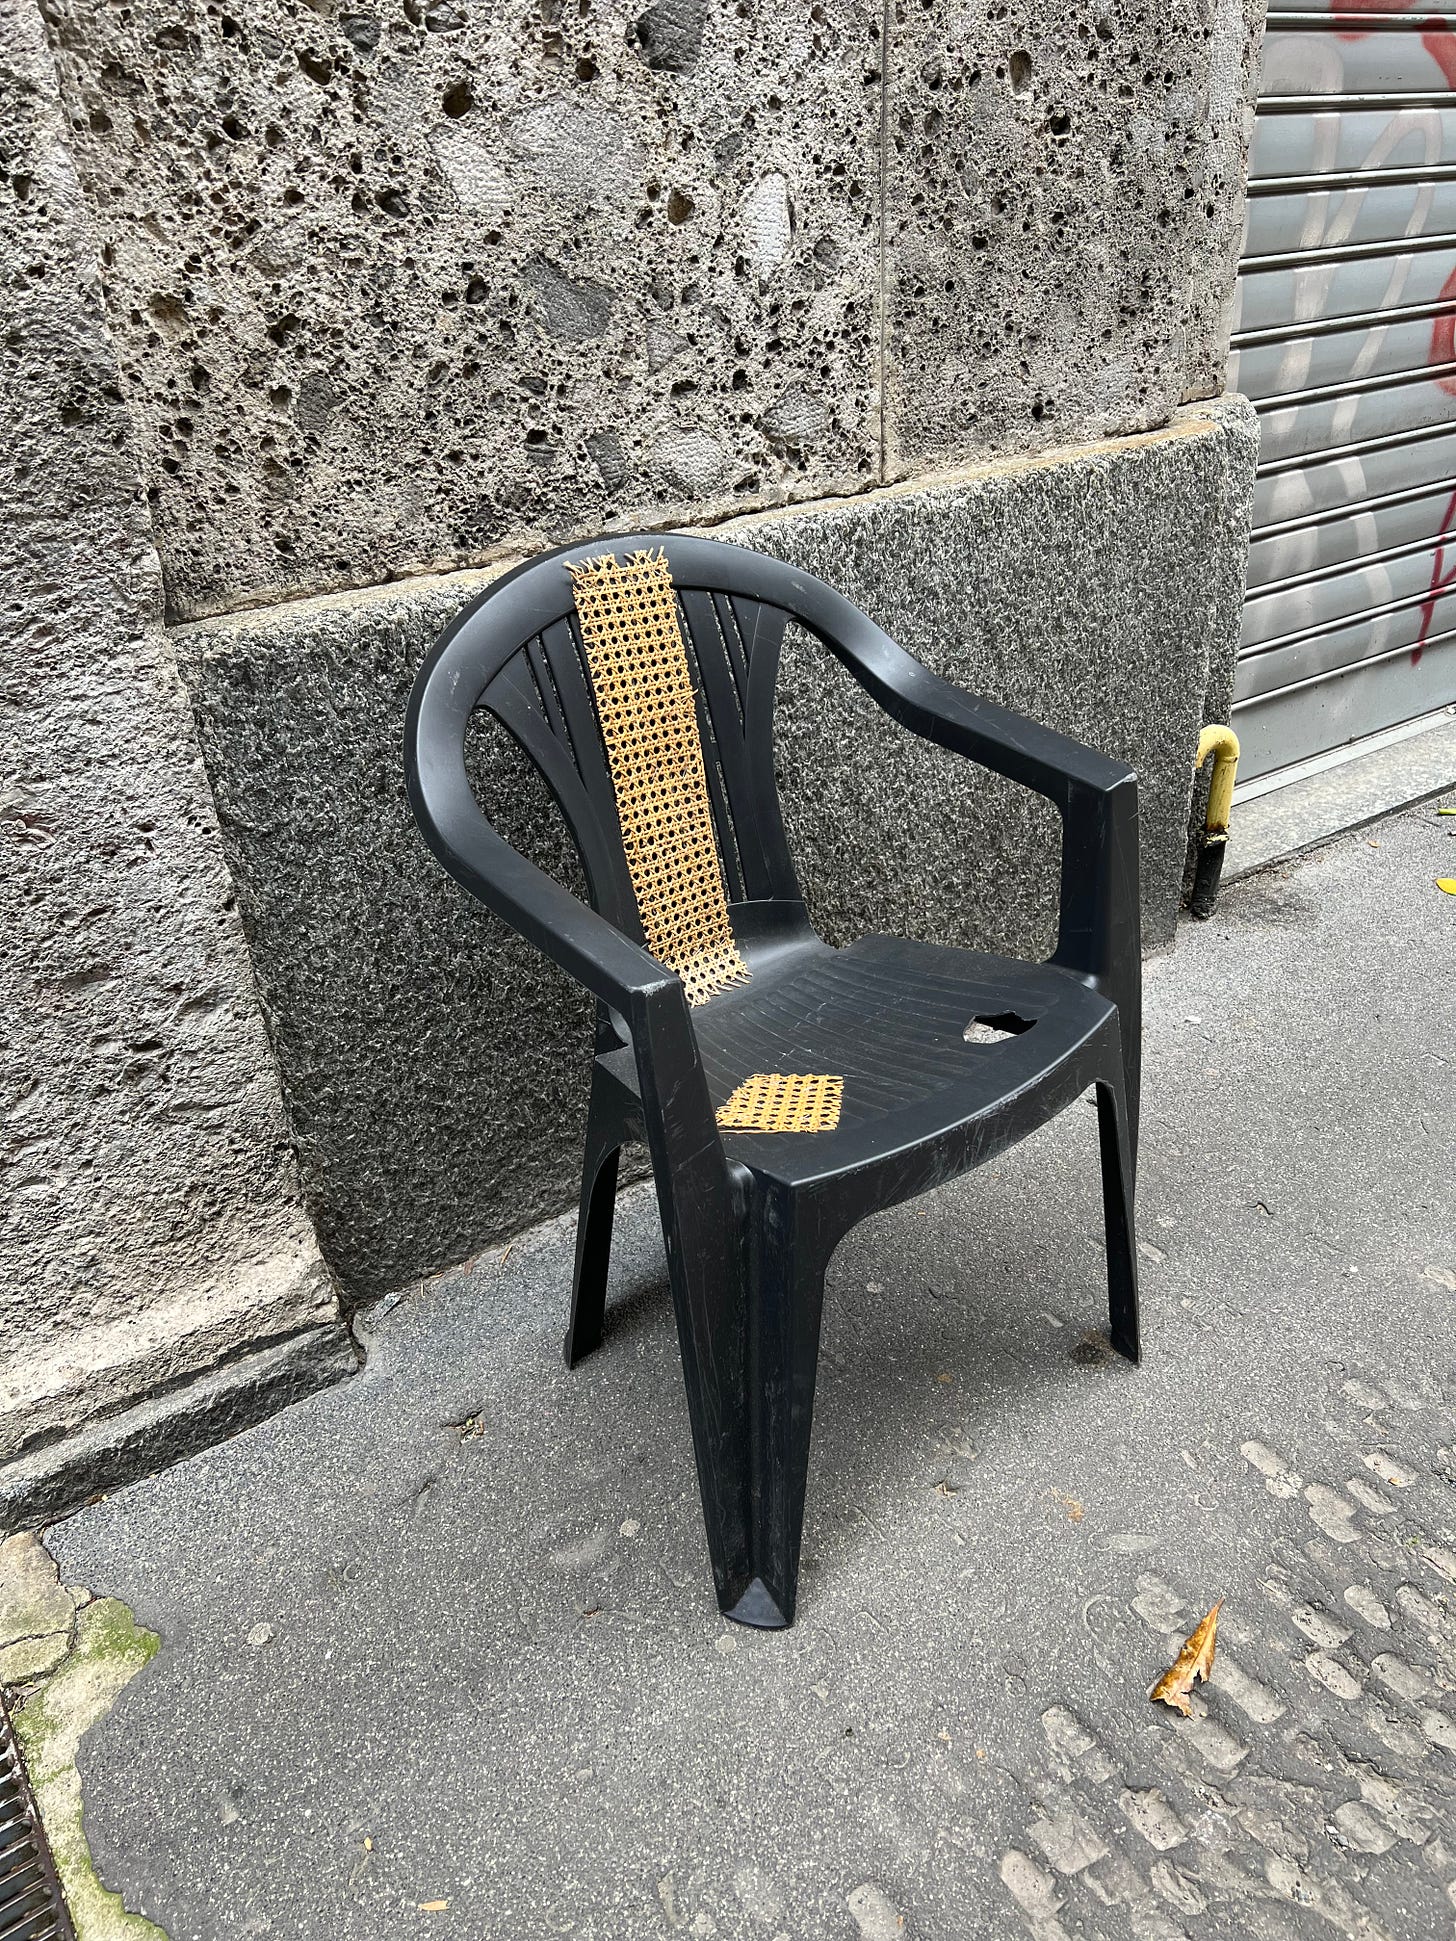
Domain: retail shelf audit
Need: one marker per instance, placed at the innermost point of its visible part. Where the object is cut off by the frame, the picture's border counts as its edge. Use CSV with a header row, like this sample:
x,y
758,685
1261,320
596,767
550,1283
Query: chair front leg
x,y
752,1417
746,1265
702,1206
1099,933
785,1305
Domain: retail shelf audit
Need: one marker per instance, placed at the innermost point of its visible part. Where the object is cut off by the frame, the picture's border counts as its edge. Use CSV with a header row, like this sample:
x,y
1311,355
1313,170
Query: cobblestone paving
x,y
1314,1776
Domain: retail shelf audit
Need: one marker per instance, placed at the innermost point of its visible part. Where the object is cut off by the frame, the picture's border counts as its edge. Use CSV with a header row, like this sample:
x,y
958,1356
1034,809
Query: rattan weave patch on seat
x,y
784,1102
649,721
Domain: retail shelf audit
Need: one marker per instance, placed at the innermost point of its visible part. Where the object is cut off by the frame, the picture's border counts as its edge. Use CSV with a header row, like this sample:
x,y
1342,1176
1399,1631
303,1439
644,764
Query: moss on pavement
x,y
110,1649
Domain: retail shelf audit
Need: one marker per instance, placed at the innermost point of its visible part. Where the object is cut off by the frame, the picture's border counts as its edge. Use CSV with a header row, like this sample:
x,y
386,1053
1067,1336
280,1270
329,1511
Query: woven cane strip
x,y
784,1102
645,703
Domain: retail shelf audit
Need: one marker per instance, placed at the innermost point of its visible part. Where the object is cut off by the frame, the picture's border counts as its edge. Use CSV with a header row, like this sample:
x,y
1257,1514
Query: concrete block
x,y
396,289
1346,795
1063,198
432,1060
150,1220
37,1612
68,1364
434,1064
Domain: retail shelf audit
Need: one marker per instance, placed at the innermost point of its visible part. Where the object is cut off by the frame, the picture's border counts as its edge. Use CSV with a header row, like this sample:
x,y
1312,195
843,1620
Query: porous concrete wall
x,y
1063,200
435,1064
400,288
150,1223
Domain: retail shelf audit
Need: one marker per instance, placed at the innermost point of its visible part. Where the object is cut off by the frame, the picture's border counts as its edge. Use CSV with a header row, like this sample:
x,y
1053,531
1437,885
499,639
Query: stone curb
x,y
57,1478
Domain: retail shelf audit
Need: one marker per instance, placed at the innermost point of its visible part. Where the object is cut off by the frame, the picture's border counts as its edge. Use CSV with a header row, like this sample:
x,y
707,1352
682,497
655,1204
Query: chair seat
x,y
889,1016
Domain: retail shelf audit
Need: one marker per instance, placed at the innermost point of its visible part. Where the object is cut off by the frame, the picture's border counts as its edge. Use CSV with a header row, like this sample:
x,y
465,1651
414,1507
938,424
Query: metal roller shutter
x,y
1345,338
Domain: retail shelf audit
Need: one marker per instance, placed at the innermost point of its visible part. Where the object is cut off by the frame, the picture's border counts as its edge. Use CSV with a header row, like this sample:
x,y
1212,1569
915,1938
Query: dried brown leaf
x,y
1194,1661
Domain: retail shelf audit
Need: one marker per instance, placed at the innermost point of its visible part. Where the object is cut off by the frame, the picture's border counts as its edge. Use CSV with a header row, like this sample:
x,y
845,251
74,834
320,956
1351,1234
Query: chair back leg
x,y
1118,1140
593,1234
606,1133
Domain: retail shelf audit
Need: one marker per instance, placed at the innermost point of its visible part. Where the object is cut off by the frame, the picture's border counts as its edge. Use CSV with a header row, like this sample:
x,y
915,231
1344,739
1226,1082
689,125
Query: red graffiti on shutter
x,y
1443,336
1438,36
1439,40
1443,577
1367,6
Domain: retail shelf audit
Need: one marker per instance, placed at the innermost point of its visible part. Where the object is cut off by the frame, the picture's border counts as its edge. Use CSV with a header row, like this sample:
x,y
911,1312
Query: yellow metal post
x,y
1223,744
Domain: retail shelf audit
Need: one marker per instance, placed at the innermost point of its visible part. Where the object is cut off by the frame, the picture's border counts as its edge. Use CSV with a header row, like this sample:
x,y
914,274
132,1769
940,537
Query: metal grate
x,y
31,1907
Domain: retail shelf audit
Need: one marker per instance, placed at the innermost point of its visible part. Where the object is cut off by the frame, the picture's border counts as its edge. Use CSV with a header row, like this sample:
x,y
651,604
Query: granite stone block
x,y
396,289
1063,200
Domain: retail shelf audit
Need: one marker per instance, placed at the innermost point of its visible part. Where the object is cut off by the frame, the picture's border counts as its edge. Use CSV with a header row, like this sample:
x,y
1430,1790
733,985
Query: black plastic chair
x,y
750,1219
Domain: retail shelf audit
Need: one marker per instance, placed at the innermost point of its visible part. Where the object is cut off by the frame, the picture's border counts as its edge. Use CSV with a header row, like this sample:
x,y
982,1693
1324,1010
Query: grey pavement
x,y
446,1634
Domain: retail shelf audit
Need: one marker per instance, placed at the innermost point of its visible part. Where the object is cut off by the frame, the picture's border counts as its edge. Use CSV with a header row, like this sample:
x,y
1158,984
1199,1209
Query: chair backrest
x,y
564,649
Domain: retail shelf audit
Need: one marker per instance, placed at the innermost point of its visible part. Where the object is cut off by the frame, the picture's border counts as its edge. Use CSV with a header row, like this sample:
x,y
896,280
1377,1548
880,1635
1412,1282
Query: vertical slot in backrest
x,y
736,642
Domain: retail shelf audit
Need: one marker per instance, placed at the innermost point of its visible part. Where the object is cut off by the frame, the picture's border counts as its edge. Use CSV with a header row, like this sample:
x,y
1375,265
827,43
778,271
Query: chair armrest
x,y
1099,926
1052,764
585,945
615,969
652,999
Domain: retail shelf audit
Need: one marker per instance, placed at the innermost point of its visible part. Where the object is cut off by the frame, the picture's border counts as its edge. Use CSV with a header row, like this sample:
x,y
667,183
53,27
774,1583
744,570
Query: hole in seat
x,y
994,1026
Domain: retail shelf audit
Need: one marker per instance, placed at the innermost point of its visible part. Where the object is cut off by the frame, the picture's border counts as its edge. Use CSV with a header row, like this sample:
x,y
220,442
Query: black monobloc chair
x,y
639,675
